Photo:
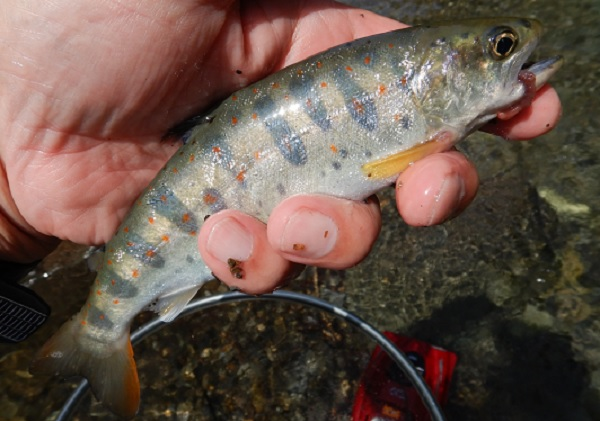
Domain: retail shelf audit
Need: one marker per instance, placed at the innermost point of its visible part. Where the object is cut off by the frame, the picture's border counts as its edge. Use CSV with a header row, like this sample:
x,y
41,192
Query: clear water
x,y
512,285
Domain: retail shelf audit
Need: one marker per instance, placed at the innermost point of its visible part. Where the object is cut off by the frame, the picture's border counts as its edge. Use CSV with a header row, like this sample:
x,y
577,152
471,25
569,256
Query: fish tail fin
x,y
109,368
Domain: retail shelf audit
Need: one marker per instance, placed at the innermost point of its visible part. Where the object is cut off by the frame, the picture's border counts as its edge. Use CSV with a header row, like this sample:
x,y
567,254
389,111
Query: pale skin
x,y
89,88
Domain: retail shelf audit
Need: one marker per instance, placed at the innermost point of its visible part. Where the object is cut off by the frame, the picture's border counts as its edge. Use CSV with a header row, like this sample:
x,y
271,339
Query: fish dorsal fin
x,y
169,306
394,164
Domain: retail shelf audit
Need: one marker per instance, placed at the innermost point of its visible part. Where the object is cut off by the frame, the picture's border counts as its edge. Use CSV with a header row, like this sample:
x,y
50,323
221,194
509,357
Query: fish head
x,y
474,70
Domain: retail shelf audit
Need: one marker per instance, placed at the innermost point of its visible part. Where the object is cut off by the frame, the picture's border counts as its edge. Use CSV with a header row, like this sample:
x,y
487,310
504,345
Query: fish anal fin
x,y
109,368
394,164
169,306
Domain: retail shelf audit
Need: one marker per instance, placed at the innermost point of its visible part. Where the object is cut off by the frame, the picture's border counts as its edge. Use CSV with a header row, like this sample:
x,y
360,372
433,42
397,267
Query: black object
x,y
22,311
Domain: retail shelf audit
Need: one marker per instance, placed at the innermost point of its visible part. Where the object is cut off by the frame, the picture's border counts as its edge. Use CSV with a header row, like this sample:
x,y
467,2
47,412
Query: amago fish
x,y
344,123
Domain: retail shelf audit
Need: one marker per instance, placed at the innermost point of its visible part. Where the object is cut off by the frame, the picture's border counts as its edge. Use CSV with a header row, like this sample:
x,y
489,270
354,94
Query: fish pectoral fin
x,y
109,368
169,306
394,164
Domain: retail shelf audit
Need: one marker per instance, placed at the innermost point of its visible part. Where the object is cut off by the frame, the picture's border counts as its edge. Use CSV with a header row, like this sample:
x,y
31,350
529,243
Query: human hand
x,y
90,88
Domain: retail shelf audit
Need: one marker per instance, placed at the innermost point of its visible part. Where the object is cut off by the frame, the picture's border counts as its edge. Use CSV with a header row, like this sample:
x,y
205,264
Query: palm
x,y
113,83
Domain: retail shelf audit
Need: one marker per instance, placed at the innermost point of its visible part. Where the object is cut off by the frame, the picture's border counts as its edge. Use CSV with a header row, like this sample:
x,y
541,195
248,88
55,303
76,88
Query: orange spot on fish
x,y
112,282
192,157
135,273
151,219
115,301
101,317
276,85
396,117
163,198
216,149
129,244
390,45
257,155
382,89
358,106
254,90
185,218
367,60
126,229
209,199
175,171
254,116
98,292
192,233
319,64
333,148
165,238
109,262
234,120
323,84
150,253
299,72
234,97
403,80
349,68
241,176
83,322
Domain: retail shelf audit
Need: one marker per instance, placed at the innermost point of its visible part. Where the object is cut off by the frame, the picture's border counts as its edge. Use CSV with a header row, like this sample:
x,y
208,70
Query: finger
x,y
536,120
324,231
436,188
236,249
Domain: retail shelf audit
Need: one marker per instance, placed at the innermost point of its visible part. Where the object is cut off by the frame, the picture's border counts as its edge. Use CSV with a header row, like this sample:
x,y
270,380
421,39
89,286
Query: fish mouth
x,y
543,70
532,76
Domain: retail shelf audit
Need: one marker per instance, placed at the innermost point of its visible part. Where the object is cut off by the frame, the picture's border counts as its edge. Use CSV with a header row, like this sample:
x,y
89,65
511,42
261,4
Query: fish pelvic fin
x,y
109,368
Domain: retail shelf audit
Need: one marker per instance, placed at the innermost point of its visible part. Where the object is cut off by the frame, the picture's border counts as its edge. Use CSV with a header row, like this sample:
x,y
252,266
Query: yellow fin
x,y
396,163
111,371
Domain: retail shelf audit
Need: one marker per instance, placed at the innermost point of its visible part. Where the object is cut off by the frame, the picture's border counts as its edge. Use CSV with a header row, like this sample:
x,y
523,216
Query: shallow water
x,y
512,285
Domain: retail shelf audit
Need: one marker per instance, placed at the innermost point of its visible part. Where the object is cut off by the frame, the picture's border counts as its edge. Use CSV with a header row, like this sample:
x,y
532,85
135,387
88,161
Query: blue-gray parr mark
x,y
289,143
359,103
166,204
302,88
213,199
121,288
143,251
99,319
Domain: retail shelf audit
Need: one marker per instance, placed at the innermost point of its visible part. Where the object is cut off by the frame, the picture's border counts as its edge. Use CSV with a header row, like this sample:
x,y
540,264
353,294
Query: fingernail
x,y
446,201
309,234
228,239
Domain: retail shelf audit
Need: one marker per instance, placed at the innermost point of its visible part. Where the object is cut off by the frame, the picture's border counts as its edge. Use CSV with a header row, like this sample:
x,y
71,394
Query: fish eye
x,y
503,44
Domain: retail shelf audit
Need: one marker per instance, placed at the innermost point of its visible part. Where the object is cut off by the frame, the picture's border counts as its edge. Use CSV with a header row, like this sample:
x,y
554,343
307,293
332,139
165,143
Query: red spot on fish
x,y
192,157
129,244
98,292
126,229
163,198
254,90
135,273
241,176
185,218
333,148
349,68
276,85
234,97
101,317
165,238
382,89
209,199
112,282
192,233
319,64
216,149
115,301
234,121
83,322
323,84
175,171
254,116
150,253
151,219
390,45
367,60
403,80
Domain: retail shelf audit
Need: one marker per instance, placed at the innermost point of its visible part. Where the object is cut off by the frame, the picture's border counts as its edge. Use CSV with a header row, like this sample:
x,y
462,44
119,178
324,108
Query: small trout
x,y
343,123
